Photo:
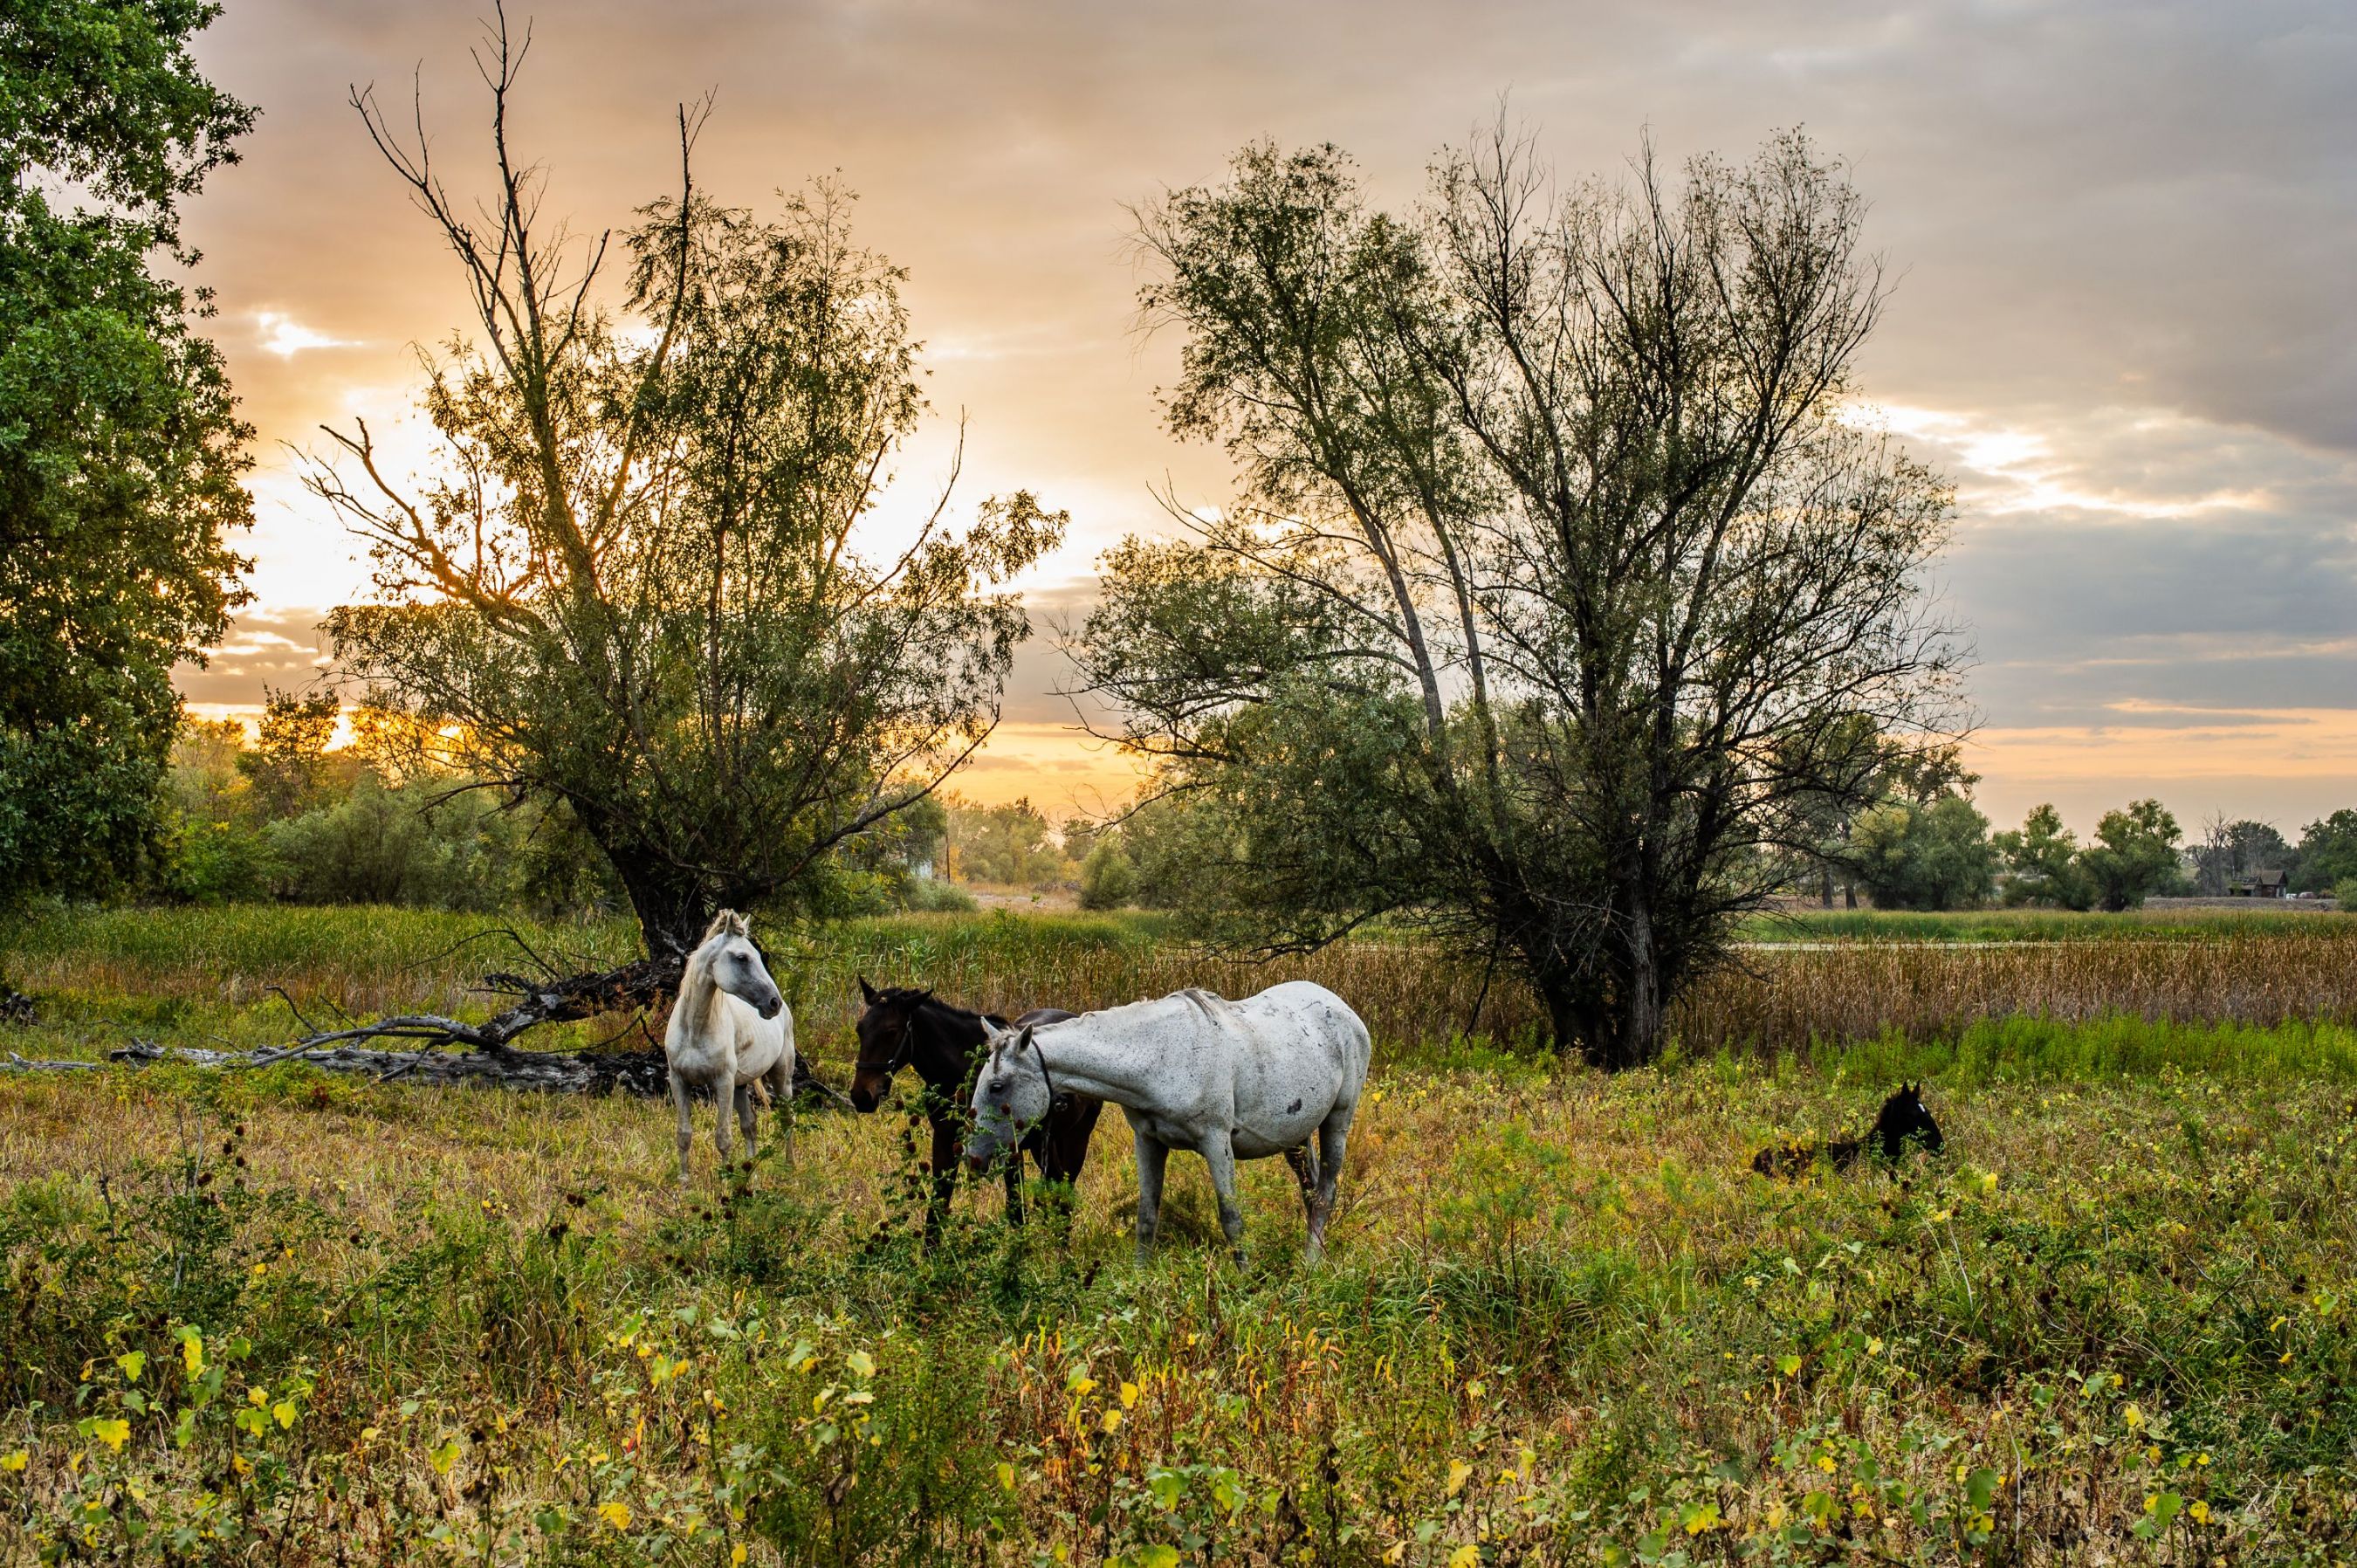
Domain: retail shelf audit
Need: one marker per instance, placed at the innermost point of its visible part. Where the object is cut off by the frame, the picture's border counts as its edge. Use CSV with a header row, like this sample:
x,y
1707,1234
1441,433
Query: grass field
x,y
277,1316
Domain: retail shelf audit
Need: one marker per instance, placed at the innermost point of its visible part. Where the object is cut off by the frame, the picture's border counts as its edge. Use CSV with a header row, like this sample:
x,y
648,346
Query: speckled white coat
x,y
1230,1080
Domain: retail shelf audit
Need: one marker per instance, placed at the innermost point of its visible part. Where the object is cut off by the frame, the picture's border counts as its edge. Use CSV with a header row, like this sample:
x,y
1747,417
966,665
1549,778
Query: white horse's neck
x,y
698,996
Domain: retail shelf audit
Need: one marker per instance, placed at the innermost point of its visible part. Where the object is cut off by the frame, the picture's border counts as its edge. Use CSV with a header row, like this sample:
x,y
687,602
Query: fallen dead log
x,y
643,1074
489,1058
631,988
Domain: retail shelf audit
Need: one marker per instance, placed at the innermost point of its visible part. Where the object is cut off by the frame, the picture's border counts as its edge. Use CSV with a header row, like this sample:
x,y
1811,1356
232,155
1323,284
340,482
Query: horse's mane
x,y
1214,1007
696,973
919,997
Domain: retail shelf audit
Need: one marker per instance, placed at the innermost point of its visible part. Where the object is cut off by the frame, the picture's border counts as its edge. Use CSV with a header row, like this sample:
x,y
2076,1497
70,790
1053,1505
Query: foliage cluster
x,y
121,449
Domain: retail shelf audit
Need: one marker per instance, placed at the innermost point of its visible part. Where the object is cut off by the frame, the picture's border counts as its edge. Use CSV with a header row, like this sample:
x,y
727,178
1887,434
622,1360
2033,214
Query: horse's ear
x,y
1025,1039
867,993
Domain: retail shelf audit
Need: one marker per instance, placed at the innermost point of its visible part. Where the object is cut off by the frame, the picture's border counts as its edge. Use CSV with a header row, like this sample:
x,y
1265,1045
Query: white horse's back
x,y
1300,1054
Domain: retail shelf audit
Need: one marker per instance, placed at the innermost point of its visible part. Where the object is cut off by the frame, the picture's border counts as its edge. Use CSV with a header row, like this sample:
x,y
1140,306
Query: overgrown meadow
x,y
277,1317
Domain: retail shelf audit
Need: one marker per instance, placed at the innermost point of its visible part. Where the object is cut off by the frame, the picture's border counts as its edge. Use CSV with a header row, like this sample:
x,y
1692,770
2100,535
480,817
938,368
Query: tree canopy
x,y
1562,584
120,444
639,581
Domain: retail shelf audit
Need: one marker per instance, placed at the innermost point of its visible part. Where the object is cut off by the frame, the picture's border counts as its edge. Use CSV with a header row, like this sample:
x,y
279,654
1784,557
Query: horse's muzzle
x,y
863,1099
772,1006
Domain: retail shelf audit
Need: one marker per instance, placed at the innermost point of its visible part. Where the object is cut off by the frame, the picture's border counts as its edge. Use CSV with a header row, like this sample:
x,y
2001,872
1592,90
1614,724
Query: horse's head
x,y
1010,1096
887,1038
1905,1118
735,964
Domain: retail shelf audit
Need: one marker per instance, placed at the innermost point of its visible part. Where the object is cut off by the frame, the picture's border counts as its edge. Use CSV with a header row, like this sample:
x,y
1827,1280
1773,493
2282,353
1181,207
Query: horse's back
x,y
1304,1013
1305,1055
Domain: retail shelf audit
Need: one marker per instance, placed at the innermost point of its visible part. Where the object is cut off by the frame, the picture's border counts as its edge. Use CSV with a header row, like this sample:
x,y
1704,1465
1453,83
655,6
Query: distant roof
x,y
2269,878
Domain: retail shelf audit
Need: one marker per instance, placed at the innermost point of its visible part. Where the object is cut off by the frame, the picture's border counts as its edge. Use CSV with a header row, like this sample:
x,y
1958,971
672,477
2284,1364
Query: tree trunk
x,y
1638,1040
1611,1033
1565,1017
673,910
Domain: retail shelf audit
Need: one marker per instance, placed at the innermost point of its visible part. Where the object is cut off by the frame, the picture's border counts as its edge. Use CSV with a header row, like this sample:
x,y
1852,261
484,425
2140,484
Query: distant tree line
x,y
1922,845
289,815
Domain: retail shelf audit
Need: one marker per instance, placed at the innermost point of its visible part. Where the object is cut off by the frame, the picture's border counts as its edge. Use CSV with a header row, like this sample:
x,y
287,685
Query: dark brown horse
x,y
903,1026
1903,1119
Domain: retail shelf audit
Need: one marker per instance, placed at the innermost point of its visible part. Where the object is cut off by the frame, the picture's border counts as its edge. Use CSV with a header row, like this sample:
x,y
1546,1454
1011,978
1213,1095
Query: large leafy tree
x,y
636,584
2133,857
1562,589
2327,852
120,444
2041,862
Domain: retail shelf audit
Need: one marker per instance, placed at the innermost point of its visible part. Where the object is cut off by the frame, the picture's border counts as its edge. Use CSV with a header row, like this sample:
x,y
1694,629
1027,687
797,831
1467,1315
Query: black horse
x,y
903,1026
1904,1118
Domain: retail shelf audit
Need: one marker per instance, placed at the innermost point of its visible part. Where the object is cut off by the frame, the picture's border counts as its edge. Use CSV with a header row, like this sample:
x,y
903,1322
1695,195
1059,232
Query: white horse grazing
x,y
1229,1079
730,1030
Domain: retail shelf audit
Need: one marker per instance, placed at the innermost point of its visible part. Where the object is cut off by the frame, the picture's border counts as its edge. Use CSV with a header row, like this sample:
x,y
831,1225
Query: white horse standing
x,y
730,1030
1229,1079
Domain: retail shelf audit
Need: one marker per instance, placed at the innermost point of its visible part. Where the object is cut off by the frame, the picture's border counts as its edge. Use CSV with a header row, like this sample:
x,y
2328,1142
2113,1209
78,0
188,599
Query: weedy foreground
x,y
283,1318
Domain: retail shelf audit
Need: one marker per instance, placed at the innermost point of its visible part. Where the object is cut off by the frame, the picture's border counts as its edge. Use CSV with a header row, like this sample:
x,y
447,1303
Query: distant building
x,y
2261,884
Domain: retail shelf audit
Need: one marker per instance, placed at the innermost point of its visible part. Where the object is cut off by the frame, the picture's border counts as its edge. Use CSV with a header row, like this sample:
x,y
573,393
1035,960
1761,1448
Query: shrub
x,y
396,844
1108,877
932,895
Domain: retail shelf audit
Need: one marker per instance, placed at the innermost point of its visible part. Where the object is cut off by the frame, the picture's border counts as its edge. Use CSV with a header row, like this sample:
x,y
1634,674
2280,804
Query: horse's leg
x,y
723,1097
687,1121
1220,1154
1334,1139
745,1118
1152,1158
945,1175
781,1095
1013,1174
1305,1172
1062,1152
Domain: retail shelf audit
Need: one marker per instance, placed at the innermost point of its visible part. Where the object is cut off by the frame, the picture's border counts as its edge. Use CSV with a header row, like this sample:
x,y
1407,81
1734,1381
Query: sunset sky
x,y
2126,319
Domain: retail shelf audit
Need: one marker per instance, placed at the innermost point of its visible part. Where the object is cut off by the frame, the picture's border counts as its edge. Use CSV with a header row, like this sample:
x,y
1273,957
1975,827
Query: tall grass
x,y
2157,922
274,1317
1796,996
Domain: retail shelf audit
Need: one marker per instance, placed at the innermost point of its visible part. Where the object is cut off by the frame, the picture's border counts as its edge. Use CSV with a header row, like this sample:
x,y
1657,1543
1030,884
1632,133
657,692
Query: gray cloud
x,y
2121,228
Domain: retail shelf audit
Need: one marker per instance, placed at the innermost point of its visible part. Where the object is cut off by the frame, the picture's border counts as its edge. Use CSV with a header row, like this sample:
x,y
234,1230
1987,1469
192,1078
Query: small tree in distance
x,y
2041,862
